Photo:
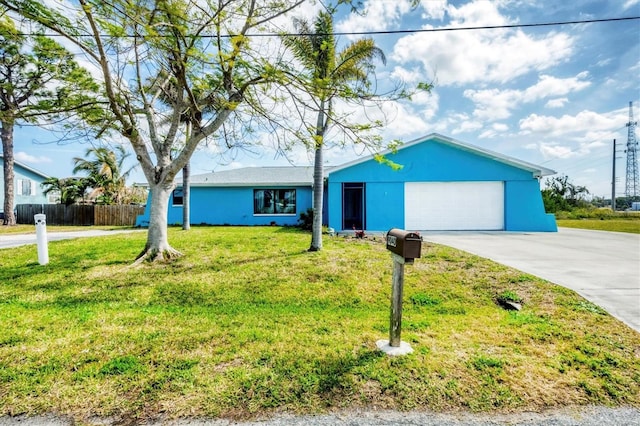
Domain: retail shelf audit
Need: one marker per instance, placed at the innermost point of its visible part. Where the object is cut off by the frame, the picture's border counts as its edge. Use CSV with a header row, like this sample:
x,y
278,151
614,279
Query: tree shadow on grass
x,y
305,382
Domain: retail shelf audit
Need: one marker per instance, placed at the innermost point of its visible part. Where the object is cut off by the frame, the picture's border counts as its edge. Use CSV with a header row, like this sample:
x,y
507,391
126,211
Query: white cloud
x,y
380,15
494,131
556,151
404,121
557,103
464,126
604,62
476,13
630,3
462,57
433,9
552,86
495,104
581,134
23,157
407,75
571,124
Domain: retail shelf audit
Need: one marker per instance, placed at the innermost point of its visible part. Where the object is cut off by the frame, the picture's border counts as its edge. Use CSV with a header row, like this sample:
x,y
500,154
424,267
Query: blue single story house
x,y
26,181
247,196
443,184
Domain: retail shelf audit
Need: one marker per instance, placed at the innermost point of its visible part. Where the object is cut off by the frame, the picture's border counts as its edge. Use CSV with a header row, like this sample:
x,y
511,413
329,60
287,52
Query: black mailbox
x,y
404,243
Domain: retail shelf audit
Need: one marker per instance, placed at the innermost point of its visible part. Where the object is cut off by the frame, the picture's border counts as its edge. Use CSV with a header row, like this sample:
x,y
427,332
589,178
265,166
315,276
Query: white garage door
x,y
454,206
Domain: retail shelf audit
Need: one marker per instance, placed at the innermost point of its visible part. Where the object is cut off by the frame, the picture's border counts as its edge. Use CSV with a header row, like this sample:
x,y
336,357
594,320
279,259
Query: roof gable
x,y
537,171
25,167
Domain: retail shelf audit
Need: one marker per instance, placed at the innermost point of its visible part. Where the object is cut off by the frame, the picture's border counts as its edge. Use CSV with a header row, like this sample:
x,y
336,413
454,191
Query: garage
x,y
437,183
454,206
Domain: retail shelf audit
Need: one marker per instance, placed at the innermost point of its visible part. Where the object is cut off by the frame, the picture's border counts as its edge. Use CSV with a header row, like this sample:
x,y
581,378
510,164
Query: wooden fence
x,y
80,214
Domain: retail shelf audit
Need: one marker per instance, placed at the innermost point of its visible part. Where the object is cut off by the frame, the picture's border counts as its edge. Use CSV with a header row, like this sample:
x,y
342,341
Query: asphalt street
x,y
603,267
16,240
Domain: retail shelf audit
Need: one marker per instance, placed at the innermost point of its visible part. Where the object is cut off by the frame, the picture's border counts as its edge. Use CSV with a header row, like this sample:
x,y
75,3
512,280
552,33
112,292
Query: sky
x,y
556,96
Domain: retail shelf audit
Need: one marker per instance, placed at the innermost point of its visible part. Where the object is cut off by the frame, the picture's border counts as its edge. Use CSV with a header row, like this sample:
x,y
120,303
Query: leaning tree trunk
x,y
6,134
157,247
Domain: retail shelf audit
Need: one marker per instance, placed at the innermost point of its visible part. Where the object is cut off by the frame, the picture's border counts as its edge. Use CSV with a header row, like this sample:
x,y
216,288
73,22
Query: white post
x,y
41,237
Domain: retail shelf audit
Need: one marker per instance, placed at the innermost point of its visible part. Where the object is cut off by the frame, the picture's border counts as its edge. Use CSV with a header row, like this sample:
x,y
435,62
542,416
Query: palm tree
x,y
328,74
70,189
105,172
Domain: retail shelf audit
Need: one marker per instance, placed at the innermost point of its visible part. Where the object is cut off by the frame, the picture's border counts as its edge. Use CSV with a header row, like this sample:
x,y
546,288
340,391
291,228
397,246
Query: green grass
x,y
630,225
248,323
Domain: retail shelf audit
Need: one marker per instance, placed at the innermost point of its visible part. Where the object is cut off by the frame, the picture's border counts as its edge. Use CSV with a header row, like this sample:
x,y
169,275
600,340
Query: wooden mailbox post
x,y
405,246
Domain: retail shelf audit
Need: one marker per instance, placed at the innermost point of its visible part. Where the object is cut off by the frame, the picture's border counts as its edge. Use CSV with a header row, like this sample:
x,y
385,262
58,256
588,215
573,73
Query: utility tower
x,y
633,182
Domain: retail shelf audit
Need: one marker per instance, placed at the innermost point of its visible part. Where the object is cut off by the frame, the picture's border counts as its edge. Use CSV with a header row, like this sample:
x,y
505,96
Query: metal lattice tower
x,y
633,182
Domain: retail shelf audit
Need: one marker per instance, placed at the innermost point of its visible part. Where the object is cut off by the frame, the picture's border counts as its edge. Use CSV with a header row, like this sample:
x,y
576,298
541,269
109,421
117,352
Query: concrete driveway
x,y
603,267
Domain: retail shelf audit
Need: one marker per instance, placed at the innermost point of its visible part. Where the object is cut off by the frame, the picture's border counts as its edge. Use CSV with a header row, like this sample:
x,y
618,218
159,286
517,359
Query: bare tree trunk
x,y
318,183
8,172
157,246
318,190
186,198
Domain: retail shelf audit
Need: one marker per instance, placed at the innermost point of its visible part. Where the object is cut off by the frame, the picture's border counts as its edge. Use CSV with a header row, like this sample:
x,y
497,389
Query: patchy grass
x,y
630,224
248,323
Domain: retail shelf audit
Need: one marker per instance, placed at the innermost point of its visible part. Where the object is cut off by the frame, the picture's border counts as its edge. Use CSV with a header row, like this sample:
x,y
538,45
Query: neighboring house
x,y
444,184
27,189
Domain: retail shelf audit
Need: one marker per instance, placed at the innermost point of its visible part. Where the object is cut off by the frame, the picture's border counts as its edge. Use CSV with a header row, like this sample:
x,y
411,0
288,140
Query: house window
x,y
274,201
25,187
178,197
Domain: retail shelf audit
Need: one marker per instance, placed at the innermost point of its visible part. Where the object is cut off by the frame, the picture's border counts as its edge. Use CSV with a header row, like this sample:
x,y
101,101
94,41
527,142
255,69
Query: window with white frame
x,y
25,187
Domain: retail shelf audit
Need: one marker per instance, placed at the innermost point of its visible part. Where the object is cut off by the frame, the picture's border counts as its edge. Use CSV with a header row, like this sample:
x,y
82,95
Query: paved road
x,y
571,416
16,240
603,267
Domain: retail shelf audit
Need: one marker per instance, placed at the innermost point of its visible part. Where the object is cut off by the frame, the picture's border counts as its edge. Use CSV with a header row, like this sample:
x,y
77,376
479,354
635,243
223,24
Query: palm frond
x,y
356,60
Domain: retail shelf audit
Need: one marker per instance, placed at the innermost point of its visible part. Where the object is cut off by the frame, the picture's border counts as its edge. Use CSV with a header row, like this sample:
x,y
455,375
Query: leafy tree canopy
x,y
40,83
199,50
560,194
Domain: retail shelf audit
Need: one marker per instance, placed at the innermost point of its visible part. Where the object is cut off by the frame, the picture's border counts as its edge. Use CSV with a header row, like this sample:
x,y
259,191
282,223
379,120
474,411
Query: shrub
x,y
306,220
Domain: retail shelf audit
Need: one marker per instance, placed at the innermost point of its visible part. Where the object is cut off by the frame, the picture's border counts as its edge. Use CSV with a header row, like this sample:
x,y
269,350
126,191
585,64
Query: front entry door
x,y
353,211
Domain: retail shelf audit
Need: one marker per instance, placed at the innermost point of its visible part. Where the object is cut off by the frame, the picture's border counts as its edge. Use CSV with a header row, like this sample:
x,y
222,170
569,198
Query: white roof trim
x,y
24,166
538,171
245,184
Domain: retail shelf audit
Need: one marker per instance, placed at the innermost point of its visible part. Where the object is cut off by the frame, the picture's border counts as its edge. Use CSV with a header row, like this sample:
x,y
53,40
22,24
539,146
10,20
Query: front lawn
x,y
248,323
630,225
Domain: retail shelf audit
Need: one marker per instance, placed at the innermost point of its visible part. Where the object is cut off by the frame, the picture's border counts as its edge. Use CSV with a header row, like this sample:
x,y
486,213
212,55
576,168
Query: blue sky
x,y
555,96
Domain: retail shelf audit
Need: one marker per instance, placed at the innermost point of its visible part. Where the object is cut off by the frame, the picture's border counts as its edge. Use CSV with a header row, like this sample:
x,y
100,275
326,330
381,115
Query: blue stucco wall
x,y
22,173
230,206
434,161
524,211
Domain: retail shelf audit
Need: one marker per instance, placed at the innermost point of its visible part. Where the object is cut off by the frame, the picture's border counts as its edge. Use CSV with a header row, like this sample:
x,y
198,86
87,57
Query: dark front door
x,y
353,212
